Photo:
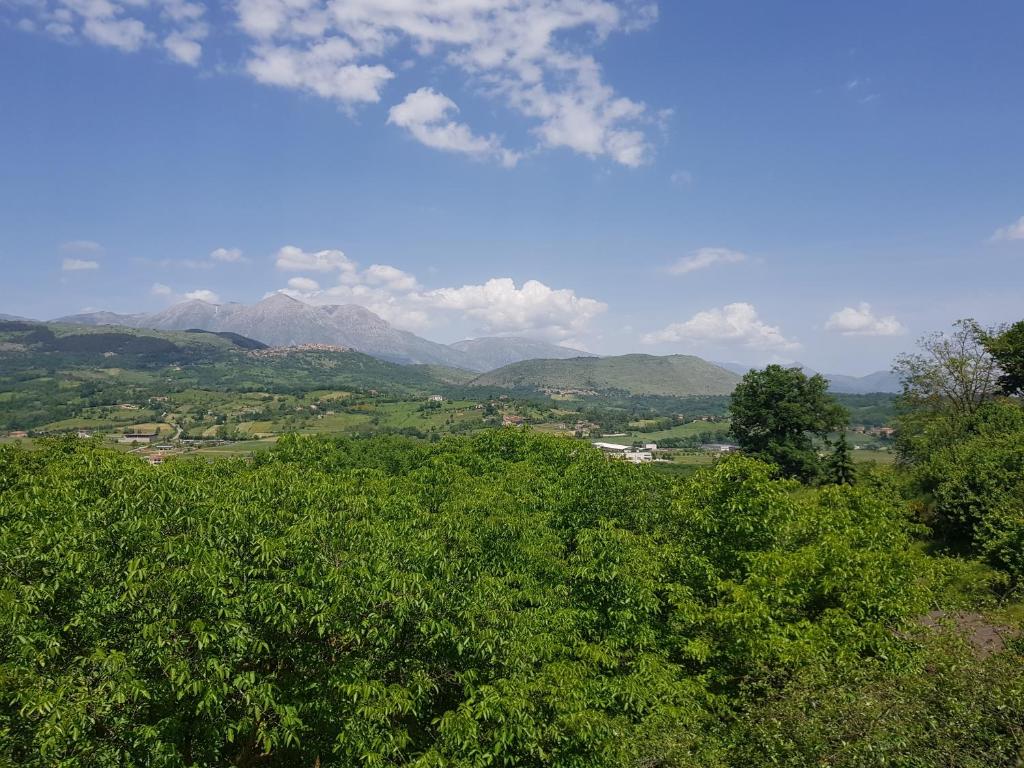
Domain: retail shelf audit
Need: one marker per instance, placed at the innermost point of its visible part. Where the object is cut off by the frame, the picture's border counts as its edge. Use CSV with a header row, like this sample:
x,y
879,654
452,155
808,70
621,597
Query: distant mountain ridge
x,y
281,321
885,382
673,375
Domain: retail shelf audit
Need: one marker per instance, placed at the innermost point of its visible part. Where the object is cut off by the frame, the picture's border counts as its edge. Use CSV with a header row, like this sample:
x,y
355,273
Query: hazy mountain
x,y
14,318
880,381
492,352
101,318
842,384
678,375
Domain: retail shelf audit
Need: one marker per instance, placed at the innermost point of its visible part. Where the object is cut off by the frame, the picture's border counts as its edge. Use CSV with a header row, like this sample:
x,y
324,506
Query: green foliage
x,y
776,414
943,706
509,599
976,485
1006,346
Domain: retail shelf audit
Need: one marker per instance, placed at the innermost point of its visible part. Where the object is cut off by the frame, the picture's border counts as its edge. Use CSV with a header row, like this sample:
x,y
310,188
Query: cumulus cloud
x,y
535,57
227,255
183,49
79,265
704,258
1014,231
127,25
303,284
426,114
159,289
497,306
500,306
293,259
733,325
862,321
203,294
325,68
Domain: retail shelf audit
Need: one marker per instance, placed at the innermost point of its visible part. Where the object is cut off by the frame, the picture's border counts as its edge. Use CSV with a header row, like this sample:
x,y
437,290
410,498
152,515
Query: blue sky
x,y
805,181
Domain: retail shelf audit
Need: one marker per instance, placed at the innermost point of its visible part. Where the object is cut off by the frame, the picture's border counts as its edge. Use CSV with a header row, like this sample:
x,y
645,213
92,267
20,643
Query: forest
x,y
517,599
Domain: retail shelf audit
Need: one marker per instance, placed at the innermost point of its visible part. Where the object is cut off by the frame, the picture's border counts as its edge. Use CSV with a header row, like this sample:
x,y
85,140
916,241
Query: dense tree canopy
x,y
778,412
503,600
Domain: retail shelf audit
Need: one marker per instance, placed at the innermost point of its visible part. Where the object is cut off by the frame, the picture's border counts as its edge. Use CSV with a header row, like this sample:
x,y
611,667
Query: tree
x,y
777,413
952,372
944,384
840,469
1007,348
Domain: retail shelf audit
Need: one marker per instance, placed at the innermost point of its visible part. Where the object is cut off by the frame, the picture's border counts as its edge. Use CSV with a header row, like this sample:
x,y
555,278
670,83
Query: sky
x,y
750,182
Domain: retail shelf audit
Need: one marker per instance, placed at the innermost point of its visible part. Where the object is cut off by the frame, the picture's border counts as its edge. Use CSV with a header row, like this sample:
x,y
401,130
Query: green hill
x,y
51,371
674,375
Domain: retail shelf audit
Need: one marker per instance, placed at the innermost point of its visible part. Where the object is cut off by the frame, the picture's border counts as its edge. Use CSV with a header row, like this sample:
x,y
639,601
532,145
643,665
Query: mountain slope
x,y
489,353
282,321
677,375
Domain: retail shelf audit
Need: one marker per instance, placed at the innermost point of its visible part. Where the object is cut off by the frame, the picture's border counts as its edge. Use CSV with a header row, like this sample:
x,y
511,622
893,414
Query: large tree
x,y
1006,347
778,412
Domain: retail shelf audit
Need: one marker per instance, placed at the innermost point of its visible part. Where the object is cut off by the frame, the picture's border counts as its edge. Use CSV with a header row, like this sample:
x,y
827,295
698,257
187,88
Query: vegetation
x,y
777,413
511,599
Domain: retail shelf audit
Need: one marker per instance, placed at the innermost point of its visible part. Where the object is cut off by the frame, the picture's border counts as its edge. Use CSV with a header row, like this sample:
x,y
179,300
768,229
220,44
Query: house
x,y
882,432
638,457
510,420
84,435
17,434
436,399
155,459
128,407
650,446
129,438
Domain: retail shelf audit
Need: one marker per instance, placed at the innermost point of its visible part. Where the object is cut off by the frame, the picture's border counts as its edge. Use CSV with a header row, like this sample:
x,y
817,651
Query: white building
x,y
436,399
638,457
611,447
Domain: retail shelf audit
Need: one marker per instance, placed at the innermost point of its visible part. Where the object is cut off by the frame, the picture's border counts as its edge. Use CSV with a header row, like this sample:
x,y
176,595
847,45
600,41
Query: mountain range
x,y
282,321
885,382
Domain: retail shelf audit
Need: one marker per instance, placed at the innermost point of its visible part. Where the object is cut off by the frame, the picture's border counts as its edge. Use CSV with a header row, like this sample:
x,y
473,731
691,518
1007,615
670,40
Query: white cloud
x,y
426,115
228,255
861,321
497,306
203,294
535,57
324,68
294,259
126,34
78,265
391,277
184,49
81,246
303,284
733,324
515,50
159,289
704,258
128,25
1013,231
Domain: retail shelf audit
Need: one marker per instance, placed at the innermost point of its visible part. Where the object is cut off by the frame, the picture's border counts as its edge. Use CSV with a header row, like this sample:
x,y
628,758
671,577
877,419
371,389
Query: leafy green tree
x,y
1006,346
778,412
